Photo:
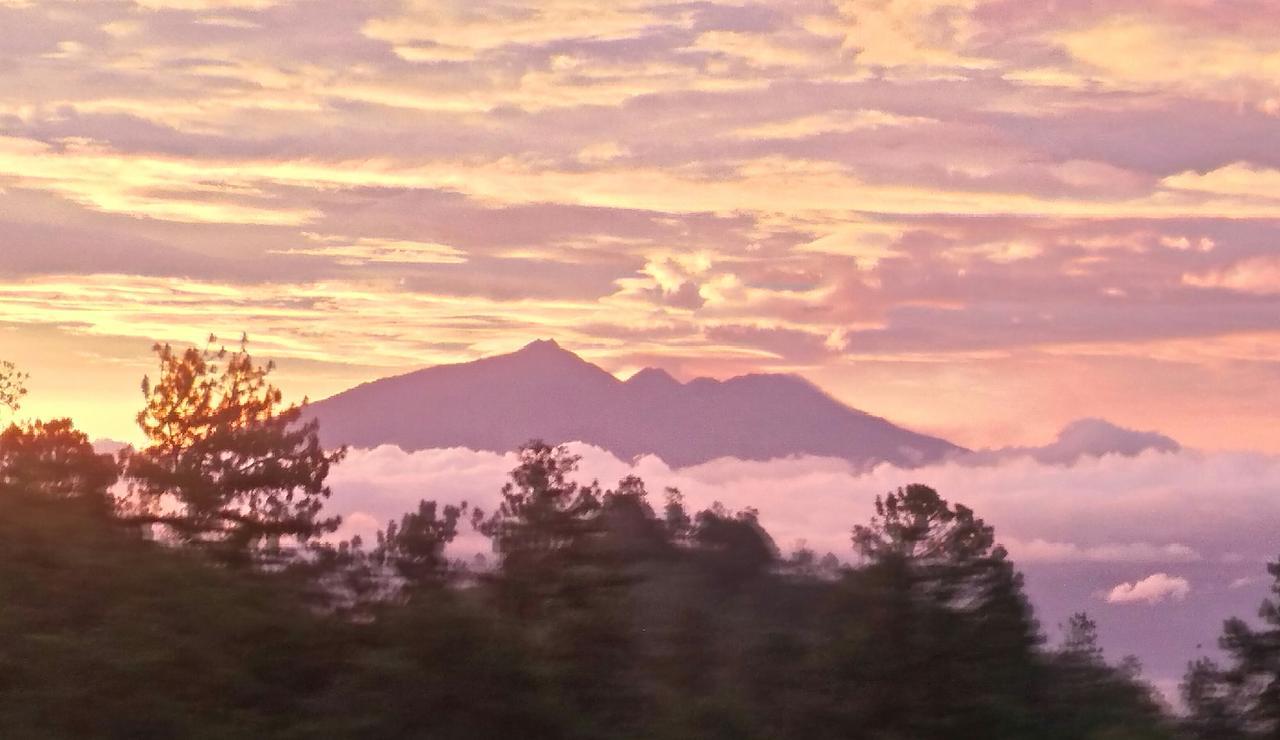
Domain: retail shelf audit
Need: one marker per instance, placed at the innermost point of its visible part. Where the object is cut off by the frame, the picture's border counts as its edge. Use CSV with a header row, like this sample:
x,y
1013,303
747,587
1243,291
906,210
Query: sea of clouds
x,y
1159,547
1162,509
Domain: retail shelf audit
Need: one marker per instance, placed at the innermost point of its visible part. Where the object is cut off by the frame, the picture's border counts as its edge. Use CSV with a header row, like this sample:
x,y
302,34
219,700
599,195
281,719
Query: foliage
x,y
1215,711
227,463
542,529
12,386
916,525
111,636
55,460
738,546
952,625
1090,696
1241,699
675,517
414,548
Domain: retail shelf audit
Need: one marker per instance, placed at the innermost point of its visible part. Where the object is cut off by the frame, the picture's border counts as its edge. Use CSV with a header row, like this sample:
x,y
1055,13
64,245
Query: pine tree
x,y
55,460
228,464
1244,696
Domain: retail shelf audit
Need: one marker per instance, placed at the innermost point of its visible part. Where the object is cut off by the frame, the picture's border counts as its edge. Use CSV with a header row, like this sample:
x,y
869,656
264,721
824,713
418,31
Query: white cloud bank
x,y
1076,530
1153,589
1164,508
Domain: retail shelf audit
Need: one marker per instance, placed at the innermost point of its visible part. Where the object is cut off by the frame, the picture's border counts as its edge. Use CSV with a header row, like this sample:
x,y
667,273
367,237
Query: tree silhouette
x,y
542,527
674,515
955,632
737,546
1244,696
625,635
415,546
12,386
1088,697
917,525
1215,711
1080,639
228,464
632,532
55,460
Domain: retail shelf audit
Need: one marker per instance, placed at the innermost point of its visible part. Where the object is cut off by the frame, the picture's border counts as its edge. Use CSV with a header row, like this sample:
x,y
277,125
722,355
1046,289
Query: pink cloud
x,y
1183,507
1153,589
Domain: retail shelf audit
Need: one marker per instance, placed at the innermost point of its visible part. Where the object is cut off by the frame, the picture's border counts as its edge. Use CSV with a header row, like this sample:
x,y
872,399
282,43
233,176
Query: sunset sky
x,y
979,219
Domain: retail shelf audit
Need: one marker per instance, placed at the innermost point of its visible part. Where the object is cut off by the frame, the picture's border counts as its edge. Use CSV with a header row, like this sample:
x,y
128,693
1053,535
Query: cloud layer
x,y
951,194
1156,508
1185,534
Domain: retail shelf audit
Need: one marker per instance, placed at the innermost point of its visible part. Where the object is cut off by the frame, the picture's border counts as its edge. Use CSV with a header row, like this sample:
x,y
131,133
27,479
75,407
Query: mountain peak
x,y
546,352
652,377
546,356
543,346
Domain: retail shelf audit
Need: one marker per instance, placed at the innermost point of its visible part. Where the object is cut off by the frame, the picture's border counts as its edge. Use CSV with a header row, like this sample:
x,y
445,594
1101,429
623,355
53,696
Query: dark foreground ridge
x,y
547,392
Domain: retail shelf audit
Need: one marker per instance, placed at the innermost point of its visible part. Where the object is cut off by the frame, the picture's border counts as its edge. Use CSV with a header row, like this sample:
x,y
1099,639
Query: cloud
x,y
198,5
492,25
1139,52
1153,589
913,33
836,122
365,250
1182,507
1246,581
1237,179
1041,551
1256,275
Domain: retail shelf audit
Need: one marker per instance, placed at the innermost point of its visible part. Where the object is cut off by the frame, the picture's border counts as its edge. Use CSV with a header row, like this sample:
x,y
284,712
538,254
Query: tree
x,y
1245,695
1214,710
12,386
1087,697
415,547
954,630
228,464
945,552
1080,640
632,532
917,525
674,516
739,548
562,572
542,527
408,561
55,460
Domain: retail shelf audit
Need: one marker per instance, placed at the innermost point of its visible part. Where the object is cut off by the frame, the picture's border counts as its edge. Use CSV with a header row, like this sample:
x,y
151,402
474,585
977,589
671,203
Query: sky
x,y
979,218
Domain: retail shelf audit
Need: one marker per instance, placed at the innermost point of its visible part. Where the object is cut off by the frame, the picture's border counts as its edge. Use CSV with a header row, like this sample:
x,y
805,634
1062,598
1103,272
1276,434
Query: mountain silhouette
x,y
544,391
1082,438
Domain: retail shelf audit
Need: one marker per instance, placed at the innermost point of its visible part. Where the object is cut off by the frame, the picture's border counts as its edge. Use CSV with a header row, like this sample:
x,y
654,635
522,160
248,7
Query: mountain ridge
x,y
544,391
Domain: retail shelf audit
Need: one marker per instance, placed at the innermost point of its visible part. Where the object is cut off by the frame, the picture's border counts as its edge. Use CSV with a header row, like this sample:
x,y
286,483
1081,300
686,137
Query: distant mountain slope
x,y
1082,438
544,391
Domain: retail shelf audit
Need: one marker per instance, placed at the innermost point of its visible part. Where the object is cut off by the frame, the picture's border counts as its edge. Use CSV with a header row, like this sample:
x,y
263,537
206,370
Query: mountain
x,y
1083,438
544,391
